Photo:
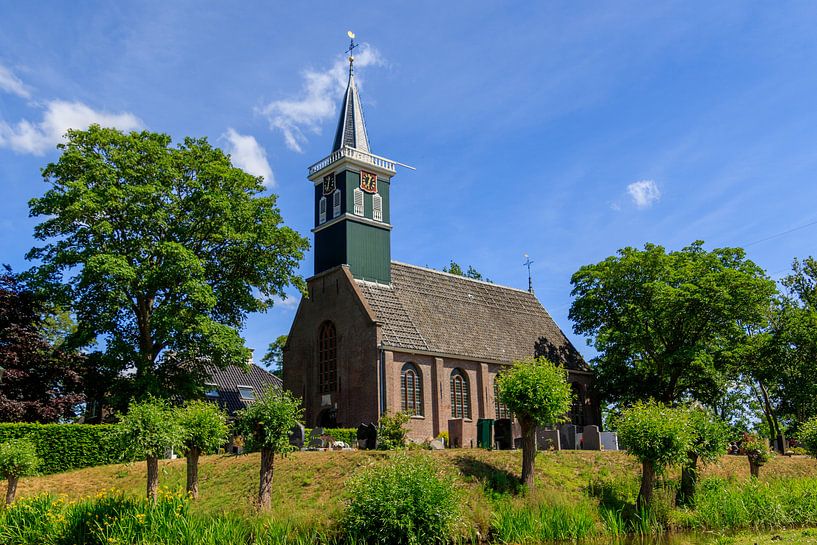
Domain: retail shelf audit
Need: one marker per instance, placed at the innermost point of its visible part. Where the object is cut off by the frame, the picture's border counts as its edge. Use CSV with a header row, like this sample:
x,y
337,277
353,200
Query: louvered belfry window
x,y
322,210
358,201
460,398
377,207
336,203
411,391
328,359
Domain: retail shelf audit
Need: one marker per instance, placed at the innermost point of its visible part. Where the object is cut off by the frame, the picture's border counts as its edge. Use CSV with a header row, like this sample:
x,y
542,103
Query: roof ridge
x,y
429,269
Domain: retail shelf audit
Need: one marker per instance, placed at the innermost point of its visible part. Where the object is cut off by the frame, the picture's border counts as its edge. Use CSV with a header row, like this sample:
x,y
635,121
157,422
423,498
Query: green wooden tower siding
x,y
365,246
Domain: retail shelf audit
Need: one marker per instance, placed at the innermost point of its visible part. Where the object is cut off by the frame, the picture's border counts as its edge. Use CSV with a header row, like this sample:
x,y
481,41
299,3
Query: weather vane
x,y
351,50
527,263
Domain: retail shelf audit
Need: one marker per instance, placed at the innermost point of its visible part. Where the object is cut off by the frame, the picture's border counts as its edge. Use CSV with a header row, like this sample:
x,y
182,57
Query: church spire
x,y
351,131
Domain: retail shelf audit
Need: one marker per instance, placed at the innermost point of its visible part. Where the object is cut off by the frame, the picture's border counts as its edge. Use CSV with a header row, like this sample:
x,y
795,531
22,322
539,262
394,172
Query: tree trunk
x,y
528,452
193,472
11,491
689,480
754,469
265,486
647,485
153,477
778,435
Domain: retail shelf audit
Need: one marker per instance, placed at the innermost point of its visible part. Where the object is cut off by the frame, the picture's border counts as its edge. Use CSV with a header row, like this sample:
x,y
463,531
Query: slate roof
x,y
228,379
351,129
431,311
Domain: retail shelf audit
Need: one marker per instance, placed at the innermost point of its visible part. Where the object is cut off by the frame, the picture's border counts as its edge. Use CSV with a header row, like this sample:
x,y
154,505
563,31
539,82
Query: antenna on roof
x,y
527,263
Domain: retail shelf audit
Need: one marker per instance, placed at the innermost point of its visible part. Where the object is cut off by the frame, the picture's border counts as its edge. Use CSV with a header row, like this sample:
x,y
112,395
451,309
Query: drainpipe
x,y
381,386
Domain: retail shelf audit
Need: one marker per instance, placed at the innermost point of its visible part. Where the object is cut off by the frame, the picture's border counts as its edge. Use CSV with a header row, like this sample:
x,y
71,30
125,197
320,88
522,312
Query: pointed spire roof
x,y
351,129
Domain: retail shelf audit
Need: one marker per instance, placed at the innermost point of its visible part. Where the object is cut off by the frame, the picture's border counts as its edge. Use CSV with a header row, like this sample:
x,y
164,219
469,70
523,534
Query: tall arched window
x,y
327,359
577,409
411,390
501,409
460,397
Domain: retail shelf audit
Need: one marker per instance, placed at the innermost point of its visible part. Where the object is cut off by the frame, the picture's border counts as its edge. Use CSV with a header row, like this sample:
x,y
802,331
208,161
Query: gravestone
x,y
296,435
591,440
436,444
363,437
609,440
568,437
315,440
547,439
503,433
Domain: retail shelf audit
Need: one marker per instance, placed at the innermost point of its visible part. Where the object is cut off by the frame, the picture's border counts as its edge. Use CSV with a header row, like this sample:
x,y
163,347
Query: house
x,y
234,387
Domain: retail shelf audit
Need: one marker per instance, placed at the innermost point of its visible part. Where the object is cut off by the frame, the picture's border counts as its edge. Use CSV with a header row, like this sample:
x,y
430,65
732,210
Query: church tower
x,y
352,220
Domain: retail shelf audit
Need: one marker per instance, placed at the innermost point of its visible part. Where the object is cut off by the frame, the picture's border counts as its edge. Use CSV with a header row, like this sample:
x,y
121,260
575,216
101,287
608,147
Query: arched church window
x,y
501,409
377,207
460,397
411,390
327,358
577,409
336,203
358,202
322,210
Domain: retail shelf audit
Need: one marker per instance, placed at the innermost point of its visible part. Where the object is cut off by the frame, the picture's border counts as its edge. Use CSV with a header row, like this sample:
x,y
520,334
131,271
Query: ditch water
x,y
663,539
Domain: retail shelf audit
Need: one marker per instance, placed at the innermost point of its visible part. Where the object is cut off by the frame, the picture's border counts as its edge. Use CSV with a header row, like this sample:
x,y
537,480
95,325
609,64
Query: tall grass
x,y
534,522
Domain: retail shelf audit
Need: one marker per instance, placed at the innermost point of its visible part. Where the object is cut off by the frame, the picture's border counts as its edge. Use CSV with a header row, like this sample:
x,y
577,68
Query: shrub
x,y
391,433
808,437
63,447
347,435
402,502
18,458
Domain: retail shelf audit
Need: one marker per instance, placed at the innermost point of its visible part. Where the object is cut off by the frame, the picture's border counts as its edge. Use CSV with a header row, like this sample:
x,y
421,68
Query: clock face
x,y
329,184
368,182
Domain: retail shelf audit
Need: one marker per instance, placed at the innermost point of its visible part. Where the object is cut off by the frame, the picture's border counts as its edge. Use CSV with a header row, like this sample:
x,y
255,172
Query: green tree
x,y
149,429
18,458
658,436
808,436
204,427
661,321
161,251
265,425
454,268
274,358
709,441
536,391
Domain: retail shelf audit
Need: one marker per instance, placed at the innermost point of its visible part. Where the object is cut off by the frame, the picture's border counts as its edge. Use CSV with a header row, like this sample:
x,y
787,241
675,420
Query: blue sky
x,y
560,129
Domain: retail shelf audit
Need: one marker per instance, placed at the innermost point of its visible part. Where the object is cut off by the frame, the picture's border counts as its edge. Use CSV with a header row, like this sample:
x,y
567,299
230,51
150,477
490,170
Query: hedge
x,y
347,435
63,447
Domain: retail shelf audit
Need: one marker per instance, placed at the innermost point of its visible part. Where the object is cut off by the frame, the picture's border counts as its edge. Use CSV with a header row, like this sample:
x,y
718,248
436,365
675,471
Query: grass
x,y
579,493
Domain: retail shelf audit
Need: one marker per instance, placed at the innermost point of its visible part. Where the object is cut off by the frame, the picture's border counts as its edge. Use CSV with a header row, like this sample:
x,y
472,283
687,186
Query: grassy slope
x,y
308,487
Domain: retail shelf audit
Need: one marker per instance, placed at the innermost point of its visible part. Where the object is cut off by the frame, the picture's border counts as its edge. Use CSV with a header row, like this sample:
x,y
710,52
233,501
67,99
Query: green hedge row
x,y
347,435
63,447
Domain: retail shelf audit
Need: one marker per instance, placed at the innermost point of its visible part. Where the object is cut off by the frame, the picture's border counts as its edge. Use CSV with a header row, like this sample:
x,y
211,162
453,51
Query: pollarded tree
x,y
161,250
536,391
758,452
657,436
204,428
661,321
149,429
18,458
265,425
709,441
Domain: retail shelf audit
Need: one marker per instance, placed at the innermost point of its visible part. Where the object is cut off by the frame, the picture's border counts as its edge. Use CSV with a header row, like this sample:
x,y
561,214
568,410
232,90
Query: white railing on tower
x,y
352,153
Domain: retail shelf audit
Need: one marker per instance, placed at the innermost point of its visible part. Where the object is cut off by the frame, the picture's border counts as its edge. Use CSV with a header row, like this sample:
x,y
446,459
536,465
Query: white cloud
x,y
318,101
12,84
644,193
58,117
248,155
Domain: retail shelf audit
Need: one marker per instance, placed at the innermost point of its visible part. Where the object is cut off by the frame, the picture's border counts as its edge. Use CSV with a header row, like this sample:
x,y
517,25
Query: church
x,y
376,336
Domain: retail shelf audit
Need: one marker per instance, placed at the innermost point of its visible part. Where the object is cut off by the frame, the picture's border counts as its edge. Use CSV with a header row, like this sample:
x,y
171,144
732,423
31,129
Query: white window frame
x,y
336,203
240,386
358,202
211,390
377,207
322,210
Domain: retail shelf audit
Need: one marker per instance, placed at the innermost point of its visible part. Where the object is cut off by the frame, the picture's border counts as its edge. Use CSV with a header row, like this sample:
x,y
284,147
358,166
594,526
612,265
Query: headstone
x,y
591,439
503,433
315,440
609,440
362,436
372,438
547,439
297,435
436,444
456,432
567,437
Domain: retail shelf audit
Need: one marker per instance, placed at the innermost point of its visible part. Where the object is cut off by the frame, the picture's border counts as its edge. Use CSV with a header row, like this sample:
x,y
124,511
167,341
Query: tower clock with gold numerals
x,y
368,181
329,184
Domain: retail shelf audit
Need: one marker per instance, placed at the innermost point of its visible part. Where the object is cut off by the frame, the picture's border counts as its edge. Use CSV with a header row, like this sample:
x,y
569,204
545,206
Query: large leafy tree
x,y
39,383
160,250
662,321
274,358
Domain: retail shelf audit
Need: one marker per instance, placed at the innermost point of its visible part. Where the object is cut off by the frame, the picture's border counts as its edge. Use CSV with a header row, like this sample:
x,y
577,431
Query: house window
x,y
336,203
460,397
500,408
246,393
327,359
411,390
211,390
377,207
358,201
322,210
